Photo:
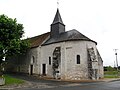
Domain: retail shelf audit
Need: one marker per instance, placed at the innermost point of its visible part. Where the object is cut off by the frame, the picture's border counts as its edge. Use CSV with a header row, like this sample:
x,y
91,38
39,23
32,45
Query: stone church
x,y
60,54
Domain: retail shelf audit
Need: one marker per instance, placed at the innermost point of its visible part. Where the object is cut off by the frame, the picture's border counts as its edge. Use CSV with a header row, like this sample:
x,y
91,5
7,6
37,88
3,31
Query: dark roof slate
x,y
38,40
68,36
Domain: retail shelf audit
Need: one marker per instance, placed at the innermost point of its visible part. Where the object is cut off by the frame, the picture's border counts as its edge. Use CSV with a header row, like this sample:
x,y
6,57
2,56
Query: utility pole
x,y
116,58
114,64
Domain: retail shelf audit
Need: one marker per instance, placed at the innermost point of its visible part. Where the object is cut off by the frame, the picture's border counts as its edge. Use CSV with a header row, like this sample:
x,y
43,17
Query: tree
x,y
11,33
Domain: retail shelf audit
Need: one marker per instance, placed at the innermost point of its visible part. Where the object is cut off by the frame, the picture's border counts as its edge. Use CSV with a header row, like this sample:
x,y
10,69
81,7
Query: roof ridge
x,y
38,35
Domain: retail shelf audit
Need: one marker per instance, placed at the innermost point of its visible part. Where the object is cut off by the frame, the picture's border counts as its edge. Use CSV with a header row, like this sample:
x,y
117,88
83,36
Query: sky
x,y
97,19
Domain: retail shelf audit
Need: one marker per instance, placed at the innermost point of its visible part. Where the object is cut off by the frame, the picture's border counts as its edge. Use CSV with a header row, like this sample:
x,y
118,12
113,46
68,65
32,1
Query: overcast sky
x,y
97,19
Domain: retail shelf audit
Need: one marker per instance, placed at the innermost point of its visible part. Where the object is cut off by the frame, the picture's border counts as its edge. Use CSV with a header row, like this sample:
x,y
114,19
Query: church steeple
x,y
57,18
57,27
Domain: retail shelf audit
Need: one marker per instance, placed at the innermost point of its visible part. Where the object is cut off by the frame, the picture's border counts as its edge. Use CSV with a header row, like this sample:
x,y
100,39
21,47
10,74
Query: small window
x,y
49,60
78,59
33,59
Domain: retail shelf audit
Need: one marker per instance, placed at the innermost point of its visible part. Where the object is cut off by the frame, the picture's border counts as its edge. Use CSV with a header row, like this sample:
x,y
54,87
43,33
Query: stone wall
x,y
21,64
69,69
76,71
101,68
46,52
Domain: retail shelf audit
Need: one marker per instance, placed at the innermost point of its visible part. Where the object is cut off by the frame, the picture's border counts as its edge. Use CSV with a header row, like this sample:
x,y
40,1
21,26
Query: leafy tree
x,y
11,33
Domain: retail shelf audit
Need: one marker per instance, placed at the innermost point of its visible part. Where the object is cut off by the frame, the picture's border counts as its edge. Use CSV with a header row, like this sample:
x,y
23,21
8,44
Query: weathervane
x,y
57,3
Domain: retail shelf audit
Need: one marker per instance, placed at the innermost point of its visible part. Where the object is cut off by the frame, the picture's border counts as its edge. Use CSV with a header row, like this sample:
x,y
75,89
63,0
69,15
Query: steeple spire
x,y
57,18
57,27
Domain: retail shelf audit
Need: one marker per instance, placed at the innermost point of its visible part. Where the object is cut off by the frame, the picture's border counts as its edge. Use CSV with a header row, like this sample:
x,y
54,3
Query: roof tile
x,y
38,40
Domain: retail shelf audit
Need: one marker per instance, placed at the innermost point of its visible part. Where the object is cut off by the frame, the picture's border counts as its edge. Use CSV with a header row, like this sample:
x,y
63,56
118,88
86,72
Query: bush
x,y
109,68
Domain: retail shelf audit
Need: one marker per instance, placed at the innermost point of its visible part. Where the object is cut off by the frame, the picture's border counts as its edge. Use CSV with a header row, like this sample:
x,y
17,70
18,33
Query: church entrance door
x,y
44,69
31,69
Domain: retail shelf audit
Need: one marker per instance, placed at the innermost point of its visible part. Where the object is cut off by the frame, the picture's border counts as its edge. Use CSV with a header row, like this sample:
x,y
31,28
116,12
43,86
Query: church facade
x,y
61,54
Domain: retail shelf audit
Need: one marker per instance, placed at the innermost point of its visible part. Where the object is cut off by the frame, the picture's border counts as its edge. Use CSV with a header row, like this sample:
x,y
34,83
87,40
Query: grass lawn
x,y
111,74
11,80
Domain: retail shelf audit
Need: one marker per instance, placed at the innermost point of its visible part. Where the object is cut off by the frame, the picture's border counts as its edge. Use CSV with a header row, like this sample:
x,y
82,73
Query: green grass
x,y
11,80
111,74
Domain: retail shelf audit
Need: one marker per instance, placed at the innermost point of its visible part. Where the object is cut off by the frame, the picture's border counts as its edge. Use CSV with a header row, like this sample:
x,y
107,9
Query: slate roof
x,y
71,35
38,40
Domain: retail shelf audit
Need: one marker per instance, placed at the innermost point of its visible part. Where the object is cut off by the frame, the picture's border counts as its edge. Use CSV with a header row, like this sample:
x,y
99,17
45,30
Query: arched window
x,y
78,59
33,59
